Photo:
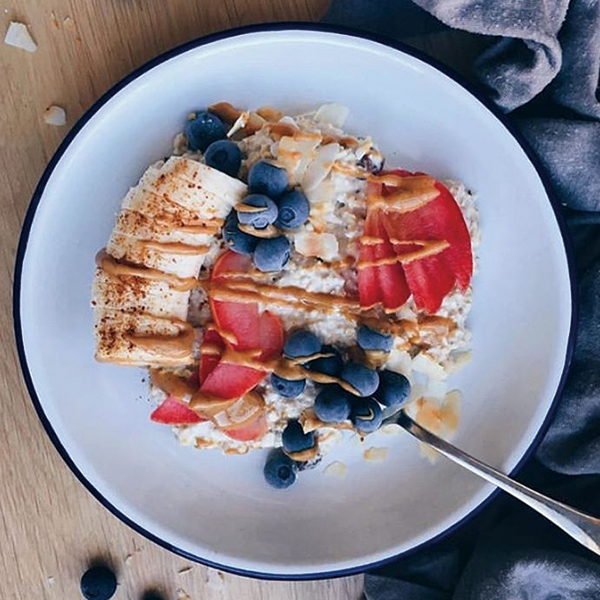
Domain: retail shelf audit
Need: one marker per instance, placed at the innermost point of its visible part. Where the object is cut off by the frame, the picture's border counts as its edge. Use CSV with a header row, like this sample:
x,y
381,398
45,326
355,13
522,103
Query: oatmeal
x,y
285,290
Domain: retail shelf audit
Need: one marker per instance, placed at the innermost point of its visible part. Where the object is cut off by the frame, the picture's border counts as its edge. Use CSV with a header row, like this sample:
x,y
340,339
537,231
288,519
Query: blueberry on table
x,y
280,470
225,156
266,178
295,440
98,583
237,240
364,380
287,388
204,129
272,254
369,339
332,405
257,210
294,210
301,343
393,390
366,415
329,365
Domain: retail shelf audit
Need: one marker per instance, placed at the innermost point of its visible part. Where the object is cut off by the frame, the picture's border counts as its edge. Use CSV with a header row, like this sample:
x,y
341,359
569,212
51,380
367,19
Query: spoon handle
x,y
581,527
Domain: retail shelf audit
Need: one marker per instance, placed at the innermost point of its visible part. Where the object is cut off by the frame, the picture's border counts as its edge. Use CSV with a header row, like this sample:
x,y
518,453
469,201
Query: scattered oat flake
x,y
184,570
68,23
375,454
18,35
182,594
214,578
336,468
54,20
51,580
128,559
55,115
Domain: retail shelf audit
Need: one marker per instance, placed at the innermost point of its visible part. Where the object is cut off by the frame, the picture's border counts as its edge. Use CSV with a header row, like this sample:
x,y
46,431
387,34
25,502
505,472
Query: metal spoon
x,y
581,527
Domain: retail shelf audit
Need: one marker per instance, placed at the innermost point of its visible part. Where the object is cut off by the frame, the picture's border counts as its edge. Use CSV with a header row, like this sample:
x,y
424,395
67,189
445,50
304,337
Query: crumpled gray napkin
x,y
542,65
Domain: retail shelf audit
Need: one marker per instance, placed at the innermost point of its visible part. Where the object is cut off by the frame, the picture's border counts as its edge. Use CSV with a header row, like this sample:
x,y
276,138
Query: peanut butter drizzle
x,y
240,206
210,349
284,367
253,291
208,404
268,113
310,422
174,247
288,369
226,335
116,269
230,114
368,240
247,358
279,130
270,231
305,455
171,383
436,323
410,193
177,346
427,248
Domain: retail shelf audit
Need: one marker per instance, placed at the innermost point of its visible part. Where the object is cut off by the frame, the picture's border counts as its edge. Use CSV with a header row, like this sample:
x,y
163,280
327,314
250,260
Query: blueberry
x,y
393,390
369,339
280,470
235,239
98,583
301,343
259,219
225,156
272,254
295,440
266,178
286,387
366,415
204,129
332,405
363,379
293,210
330,365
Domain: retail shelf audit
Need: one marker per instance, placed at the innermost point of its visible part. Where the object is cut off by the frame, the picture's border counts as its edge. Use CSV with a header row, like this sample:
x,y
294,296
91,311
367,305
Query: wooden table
x,y
50,526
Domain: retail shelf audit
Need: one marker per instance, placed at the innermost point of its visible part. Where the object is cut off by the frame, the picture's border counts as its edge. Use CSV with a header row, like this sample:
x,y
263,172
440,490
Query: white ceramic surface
x,y
219,508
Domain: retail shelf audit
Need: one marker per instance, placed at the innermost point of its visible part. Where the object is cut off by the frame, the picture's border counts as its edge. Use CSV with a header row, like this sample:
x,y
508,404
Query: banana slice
x,y
175,258
169,222
139,339
138,295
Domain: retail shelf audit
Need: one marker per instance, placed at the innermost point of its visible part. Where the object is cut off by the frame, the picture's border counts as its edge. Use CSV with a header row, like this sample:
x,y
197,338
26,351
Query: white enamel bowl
x,y
218,509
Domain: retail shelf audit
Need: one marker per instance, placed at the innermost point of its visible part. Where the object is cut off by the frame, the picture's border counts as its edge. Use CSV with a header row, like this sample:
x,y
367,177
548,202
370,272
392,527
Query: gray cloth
x,y
541,64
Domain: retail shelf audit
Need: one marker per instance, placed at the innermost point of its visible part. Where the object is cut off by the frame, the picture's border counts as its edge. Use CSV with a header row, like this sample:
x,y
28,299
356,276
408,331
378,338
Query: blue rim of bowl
x,y
231,33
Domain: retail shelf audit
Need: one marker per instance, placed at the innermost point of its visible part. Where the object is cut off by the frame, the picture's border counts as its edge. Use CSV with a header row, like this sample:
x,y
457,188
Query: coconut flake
x,y
399,361
426,365
336,468
321,245
55,115
320,167
18,36
375,454
334,114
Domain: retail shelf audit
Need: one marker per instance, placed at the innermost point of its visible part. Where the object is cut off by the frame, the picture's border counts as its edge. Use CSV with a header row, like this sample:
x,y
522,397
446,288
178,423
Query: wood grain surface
x,y
51,528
